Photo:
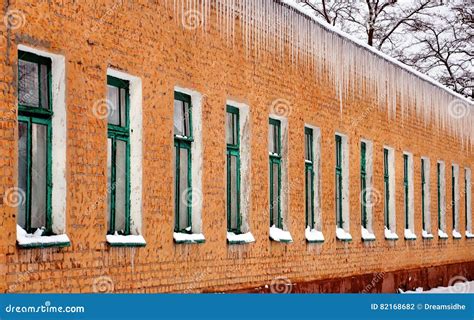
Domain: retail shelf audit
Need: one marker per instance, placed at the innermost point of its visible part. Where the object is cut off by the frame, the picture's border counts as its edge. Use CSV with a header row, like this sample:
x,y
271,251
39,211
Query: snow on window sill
x,y
37,240
342,235
442,234
409,235
243,238
456,234
279,235
117,240
180,237
390,235
313,235
367,235
469,235
426,235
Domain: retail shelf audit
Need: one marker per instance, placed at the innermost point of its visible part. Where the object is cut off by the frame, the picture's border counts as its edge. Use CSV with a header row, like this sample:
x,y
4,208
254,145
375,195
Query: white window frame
x,y
343,233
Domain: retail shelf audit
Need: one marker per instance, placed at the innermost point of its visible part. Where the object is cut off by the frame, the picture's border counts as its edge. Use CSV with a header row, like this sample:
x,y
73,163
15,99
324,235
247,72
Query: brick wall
x,y
142,39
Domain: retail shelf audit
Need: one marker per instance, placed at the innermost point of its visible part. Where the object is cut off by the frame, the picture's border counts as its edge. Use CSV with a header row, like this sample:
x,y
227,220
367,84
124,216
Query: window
x,y
366,192
363,183
118,156
183,140
441,191
309,177
233,170
339,218
35,114
274,141
455,200
408,192
389,193
425,197
386,179
342,188
467,202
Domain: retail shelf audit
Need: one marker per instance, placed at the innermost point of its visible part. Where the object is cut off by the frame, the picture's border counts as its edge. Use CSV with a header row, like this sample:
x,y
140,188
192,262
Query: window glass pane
x,y
44,87
275,190
235,136
338,200
187,120
39,142
112,104
28,91
178,118
123,105
233,192
229,130
271,139
309,202
22,171
120,185
184,192
110,187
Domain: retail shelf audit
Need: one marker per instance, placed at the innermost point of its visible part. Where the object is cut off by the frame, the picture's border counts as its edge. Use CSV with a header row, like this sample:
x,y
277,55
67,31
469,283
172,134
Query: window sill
x,y
243,238
314,236
343,235
427,236
279,235
188,238
367,235
29,241
469,235
442,235
456,235
409,235
390,235
125,241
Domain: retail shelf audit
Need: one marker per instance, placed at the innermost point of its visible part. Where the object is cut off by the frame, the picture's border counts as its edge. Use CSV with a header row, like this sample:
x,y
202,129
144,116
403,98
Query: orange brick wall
x,y
142,39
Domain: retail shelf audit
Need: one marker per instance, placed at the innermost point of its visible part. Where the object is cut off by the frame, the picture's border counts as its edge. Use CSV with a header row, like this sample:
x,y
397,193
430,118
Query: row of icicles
x,y
269,26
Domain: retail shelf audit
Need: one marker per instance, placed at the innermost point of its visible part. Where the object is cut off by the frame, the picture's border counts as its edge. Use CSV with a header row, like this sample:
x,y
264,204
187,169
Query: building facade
x,y
204,146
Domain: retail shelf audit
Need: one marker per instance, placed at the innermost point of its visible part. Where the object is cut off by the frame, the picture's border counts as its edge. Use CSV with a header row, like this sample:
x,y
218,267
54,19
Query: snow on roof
x,y
308,12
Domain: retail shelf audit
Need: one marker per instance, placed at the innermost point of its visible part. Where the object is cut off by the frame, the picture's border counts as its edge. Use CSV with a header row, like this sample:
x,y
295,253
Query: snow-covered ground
x,y
457,287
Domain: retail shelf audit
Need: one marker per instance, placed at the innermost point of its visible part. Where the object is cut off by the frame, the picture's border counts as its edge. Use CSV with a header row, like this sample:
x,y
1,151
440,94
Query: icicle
x,y
279,31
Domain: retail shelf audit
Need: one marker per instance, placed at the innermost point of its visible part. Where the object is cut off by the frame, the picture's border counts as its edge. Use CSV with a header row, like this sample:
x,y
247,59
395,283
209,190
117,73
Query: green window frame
x,y
465,198
275,159
183,140
35,113
363,184
406,191
423,193
453,196
234,218
309,177
386,177
438,187
338,182
118,136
